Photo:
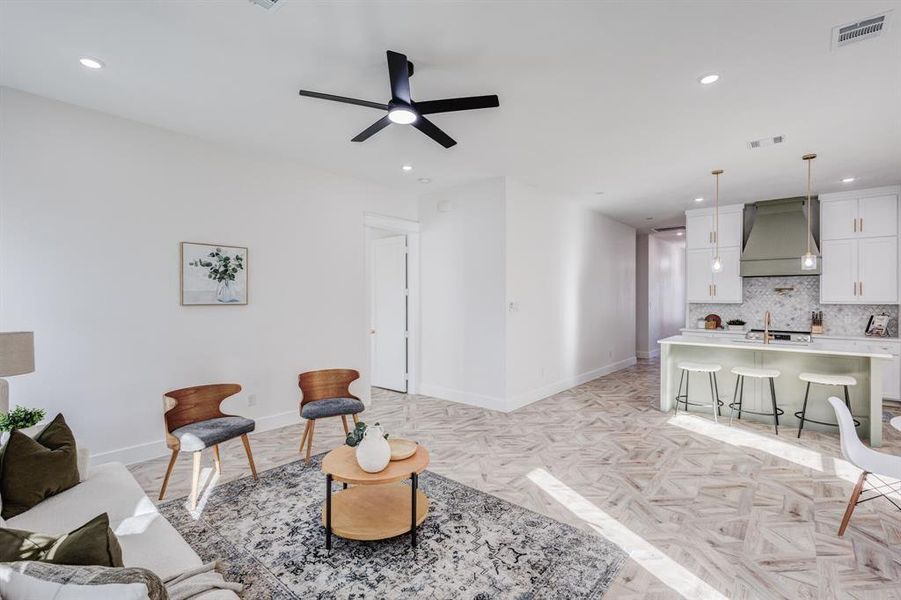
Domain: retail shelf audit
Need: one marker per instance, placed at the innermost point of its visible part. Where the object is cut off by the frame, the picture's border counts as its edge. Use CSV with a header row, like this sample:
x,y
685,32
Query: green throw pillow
x,y
32,469
94,543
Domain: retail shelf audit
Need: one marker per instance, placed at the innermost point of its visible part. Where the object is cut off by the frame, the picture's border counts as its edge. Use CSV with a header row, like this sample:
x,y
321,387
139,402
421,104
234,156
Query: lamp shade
x,y
16,353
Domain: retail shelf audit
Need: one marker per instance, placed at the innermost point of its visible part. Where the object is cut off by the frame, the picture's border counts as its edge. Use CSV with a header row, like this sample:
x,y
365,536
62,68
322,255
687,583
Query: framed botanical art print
x,y
213,274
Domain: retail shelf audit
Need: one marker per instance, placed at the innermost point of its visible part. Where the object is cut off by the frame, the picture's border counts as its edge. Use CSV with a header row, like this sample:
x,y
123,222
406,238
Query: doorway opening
x,y
392,250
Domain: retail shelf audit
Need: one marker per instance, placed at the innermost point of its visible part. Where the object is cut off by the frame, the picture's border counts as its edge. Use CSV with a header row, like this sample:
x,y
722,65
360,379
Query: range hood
x,y
777,240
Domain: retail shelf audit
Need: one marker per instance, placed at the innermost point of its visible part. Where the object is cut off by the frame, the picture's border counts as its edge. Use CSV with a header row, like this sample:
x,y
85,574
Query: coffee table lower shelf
x,y
375,512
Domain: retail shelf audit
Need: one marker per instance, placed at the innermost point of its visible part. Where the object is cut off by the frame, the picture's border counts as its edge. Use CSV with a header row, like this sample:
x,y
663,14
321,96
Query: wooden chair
x,y
326,393
194,421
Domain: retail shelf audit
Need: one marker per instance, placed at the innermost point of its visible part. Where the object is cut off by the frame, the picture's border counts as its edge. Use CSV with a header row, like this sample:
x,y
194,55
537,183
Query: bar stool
x,y
737,399
823,379
692,367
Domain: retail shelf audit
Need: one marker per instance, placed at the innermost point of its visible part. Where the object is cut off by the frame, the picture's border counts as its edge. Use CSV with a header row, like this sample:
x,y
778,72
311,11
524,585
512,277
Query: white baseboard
x,y
648,354
444,393
157,448
556,387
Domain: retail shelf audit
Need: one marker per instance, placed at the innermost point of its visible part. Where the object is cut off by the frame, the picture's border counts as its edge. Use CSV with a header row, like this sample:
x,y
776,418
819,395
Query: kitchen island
x,y
819,356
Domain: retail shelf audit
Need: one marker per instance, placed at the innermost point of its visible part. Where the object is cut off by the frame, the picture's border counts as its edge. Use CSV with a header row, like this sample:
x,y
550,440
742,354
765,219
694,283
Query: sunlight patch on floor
x,y
671,573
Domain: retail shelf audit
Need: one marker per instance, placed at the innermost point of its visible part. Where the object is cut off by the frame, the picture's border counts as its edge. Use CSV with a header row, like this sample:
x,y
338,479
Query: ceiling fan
x,y
403,110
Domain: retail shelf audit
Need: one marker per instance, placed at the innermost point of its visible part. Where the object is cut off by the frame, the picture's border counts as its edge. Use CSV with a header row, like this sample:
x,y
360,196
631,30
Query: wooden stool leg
x,y
217,459
852,503
253,467
306,432
168,473
356,419
344,422
195,480
310,440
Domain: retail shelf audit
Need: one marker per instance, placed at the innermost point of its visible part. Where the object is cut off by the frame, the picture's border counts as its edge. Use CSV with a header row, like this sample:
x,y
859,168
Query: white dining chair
x,y
875,465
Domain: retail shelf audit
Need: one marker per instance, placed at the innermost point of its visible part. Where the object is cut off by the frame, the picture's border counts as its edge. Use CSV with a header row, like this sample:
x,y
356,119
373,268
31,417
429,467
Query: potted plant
x,y
373,452
735,325
20,419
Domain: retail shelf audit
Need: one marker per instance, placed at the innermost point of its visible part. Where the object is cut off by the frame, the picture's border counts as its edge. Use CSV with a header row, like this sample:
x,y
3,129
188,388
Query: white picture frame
x,y
213,275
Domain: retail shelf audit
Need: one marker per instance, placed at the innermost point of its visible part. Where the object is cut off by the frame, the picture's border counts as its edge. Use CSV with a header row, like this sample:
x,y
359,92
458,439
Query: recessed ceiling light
x,y
424,180
699,199
91,63
649,218
407,167
402,116
847,180
680,233
599,193
709,78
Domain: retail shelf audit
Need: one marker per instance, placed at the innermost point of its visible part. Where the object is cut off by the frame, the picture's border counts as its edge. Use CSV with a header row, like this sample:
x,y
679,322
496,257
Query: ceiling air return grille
x,y
867,29
768,141
269,4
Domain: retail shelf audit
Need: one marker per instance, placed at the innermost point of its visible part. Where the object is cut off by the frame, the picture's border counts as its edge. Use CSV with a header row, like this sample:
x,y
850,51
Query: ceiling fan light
x,y
402,116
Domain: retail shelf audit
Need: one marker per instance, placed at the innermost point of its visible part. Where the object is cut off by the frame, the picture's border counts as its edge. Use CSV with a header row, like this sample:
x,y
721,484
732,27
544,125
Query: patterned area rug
x,y
472,545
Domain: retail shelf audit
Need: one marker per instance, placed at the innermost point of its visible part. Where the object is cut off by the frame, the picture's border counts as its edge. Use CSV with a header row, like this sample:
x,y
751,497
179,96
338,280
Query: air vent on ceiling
x,y
269,4
768,141
867,29
673,229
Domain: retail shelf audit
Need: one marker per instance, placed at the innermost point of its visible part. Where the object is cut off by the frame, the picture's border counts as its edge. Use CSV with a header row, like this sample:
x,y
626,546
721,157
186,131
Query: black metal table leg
x,y
415,484
345,486
328,511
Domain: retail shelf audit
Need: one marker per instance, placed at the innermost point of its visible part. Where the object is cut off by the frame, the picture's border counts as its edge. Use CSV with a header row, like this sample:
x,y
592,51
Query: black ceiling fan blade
x,y
399,75
453,104
344,99
432,130
372,129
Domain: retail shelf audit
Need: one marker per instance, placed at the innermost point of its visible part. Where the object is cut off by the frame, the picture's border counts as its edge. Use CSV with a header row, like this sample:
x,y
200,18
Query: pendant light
x,y
717,265
809,259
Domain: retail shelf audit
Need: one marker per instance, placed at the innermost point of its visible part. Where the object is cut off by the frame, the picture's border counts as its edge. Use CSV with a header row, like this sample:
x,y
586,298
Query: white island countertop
x,y
817,346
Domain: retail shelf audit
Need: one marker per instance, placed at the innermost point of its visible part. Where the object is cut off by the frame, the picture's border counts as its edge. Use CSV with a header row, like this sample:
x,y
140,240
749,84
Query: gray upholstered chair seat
x,y
331,407
204,434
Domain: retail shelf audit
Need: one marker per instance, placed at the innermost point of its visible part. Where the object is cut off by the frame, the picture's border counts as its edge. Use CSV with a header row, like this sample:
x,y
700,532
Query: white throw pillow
x,y
19,586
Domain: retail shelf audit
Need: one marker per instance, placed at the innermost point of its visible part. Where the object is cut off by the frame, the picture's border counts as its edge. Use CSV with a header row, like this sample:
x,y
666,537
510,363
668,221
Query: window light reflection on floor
x,y
671,573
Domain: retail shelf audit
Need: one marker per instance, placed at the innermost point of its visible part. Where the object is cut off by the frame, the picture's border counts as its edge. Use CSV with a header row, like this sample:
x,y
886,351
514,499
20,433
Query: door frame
x,y
411,230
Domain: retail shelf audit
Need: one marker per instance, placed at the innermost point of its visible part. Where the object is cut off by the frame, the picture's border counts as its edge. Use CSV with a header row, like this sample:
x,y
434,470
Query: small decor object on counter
x,y
712,321
401,449
701,324
371,442
878,325
212,274
21,418
816,322
736,325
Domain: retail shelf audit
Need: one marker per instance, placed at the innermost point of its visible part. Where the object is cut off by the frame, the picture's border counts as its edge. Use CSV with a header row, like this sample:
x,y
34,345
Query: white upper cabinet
x,y
877,216
859,243
702,284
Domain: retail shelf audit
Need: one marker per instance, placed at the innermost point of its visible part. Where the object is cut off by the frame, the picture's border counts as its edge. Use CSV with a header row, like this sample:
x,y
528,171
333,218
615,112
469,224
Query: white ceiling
x,y
594,96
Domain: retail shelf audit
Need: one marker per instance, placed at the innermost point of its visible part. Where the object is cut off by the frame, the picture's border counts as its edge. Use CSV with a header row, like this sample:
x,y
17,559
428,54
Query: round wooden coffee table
x,y
378,506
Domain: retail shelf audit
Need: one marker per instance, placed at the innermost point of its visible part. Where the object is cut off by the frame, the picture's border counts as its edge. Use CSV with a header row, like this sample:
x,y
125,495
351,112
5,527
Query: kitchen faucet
x,y
767,321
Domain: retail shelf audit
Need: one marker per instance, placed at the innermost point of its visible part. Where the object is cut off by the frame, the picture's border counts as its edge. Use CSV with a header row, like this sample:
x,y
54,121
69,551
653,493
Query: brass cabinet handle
x,y
861,224
861,288
855,288
714,289
855,224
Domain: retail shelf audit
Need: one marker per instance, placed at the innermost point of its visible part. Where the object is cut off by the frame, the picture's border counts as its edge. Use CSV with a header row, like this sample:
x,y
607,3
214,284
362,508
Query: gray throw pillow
x,y
126,582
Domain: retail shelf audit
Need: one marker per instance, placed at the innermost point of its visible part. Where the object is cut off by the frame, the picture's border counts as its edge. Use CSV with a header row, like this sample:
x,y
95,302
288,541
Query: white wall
x,y
661,290
462,294
642,315
92,210
571,277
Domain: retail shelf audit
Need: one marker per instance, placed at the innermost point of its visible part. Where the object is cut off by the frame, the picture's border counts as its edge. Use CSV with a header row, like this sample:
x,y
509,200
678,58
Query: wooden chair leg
x,y
253,467
217,459
344,422
306,432
852,503
195,480
310,440
168,473
356,418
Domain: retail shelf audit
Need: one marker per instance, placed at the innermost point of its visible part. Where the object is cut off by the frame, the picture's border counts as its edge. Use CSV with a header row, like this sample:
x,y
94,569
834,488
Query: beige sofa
x,y
147,539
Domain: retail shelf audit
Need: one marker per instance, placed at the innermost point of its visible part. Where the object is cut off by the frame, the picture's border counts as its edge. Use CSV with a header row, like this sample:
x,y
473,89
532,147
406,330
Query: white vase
x,y
227,291
373,452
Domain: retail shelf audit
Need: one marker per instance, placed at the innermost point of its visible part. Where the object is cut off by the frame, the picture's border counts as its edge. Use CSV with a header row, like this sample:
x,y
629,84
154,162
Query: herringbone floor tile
x,y
706,510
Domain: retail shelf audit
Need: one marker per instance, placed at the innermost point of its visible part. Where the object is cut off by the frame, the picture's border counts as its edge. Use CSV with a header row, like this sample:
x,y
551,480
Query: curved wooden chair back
x,y
326,383
194,404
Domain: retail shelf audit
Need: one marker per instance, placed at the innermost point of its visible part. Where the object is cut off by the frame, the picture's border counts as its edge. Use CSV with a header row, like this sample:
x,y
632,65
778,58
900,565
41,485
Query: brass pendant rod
x,y
809,158
716,211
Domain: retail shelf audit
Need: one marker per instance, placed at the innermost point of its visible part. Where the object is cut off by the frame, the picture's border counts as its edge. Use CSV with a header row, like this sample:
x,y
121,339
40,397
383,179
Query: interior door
x,y
878,273
389,313
699,277
838,283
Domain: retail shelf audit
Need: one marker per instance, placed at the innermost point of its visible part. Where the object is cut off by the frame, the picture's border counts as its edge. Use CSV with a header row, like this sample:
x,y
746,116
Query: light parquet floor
x,y
735,512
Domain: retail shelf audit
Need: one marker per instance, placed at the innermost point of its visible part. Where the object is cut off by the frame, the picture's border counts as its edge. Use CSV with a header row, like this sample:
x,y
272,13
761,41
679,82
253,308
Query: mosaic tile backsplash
x,y
791,309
